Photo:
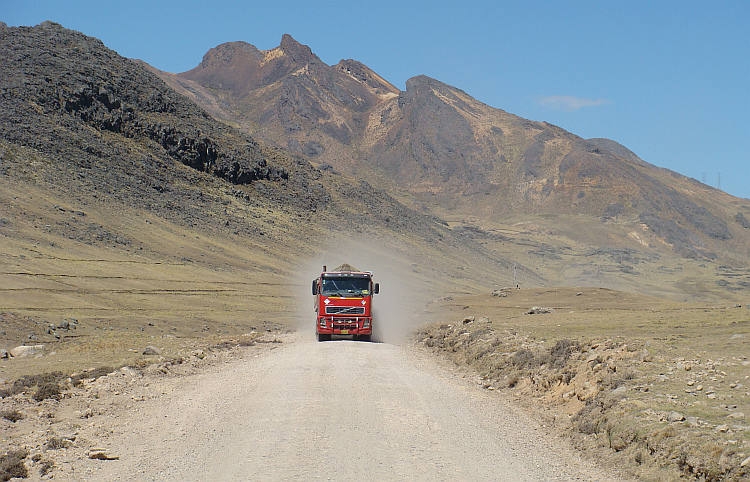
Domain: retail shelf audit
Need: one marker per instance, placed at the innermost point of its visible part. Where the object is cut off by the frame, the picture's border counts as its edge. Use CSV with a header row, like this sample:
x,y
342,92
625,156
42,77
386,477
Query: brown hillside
x,y
531,191
125,206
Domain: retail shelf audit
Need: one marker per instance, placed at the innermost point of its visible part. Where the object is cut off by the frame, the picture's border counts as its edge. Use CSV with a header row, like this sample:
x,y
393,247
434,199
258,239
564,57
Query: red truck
x,y
343,303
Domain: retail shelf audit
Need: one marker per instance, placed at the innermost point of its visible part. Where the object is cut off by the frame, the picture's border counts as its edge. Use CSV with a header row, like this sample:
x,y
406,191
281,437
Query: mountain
x,y
126,206
287,95
444,153
617,149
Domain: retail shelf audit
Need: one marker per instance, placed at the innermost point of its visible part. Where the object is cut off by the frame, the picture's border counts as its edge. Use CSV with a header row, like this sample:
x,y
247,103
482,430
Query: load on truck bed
x,y
343,303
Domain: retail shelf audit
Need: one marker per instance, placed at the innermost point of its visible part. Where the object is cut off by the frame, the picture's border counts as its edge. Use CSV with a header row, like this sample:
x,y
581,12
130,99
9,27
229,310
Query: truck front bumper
x,y
344,326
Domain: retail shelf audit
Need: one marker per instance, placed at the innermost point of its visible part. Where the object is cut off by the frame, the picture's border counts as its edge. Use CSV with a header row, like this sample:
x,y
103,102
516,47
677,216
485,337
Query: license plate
x,y
344,332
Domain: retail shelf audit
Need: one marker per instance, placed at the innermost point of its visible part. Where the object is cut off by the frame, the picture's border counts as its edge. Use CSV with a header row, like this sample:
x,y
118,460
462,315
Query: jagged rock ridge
x,y
444,147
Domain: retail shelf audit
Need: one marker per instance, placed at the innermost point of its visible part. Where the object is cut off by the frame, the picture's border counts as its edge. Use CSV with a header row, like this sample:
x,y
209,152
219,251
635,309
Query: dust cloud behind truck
x,y
343,303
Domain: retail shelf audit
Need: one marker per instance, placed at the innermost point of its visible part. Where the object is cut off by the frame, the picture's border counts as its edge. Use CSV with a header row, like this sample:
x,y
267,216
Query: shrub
x,y
12,465
47,390
92,375
523,358
55,443
560,353
12,415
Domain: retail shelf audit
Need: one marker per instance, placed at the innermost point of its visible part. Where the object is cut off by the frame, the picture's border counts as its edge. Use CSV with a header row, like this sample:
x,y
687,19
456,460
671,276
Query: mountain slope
x,y
439,150
127,207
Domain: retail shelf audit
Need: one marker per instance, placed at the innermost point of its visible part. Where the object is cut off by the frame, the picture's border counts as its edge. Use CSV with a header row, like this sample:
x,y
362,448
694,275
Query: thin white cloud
x,y
569,103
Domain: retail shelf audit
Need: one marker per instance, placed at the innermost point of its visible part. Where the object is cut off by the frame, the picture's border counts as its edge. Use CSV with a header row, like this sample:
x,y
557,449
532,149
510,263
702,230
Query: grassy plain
x,y
660,387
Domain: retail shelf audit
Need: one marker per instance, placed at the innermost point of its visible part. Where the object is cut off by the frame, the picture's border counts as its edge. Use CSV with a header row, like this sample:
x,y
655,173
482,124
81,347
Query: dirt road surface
x,y
338,410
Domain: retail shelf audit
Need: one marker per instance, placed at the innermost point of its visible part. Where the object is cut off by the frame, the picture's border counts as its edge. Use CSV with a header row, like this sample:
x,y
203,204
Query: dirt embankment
x,y
631,402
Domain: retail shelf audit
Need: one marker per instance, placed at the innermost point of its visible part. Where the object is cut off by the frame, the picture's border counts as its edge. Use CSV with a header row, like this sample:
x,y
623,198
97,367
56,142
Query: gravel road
x,y
338,410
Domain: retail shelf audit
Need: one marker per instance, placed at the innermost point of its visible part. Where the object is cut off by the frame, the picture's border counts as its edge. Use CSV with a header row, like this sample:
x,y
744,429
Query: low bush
x,y
12,465
12,415
48,390
55,443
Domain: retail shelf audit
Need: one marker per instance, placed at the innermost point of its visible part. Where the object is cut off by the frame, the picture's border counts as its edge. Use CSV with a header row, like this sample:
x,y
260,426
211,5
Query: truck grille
x,y
345,310
344,326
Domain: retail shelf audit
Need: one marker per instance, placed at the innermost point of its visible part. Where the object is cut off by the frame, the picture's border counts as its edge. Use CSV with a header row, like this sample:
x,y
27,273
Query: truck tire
x,y
365,337
323,337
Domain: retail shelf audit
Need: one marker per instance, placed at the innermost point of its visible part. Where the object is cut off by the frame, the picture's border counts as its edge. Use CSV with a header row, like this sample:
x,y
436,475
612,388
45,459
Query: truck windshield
x,y
346,287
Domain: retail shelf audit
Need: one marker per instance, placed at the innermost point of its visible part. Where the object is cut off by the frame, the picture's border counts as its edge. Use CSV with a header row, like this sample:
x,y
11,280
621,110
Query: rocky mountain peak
x,y
297,52
228,54
362,73
424,82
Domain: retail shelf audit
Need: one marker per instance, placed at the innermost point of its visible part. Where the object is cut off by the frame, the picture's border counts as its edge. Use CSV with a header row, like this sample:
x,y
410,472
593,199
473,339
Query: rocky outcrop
x,y
111,94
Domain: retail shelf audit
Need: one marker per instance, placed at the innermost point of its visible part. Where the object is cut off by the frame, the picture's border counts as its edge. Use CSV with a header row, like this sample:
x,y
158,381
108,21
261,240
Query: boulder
x,y
539,310
675,417
646,356
151,350
27,350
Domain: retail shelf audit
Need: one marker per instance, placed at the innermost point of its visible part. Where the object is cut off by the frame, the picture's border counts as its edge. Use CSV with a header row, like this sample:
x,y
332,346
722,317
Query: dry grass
x,y
12,415
12,465
659,387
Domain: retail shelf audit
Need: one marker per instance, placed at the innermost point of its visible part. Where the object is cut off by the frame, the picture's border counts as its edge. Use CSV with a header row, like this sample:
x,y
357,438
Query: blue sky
x,y
670,80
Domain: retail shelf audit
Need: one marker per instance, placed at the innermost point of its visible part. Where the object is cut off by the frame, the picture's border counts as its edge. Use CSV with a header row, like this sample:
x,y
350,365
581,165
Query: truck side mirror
x,y
315,287
376,290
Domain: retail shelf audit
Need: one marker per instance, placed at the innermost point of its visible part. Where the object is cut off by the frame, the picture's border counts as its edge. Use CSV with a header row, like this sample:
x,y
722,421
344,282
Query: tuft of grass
x,y
45,467
12,415
56,443
48,390
12,465
92,375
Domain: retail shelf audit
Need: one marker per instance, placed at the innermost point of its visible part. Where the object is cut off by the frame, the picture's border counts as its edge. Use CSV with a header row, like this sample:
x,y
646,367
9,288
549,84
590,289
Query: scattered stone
x,y
692,422
468,319
699,388
736,415
4,353
675,417
101,455
128,371
691,383
724,428
738,335
151,350
646,356
539,310
27,350
619,391
745,462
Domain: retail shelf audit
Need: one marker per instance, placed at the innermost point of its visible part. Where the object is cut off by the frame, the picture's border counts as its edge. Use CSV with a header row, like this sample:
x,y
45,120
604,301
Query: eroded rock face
x,y
48,71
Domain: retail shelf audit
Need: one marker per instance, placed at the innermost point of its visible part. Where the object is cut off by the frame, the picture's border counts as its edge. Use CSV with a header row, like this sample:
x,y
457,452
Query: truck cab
x,y
343,303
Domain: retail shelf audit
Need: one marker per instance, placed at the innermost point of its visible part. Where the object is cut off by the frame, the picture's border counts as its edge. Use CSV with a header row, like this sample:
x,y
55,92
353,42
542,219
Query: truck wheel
x,y
364,337
323,337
